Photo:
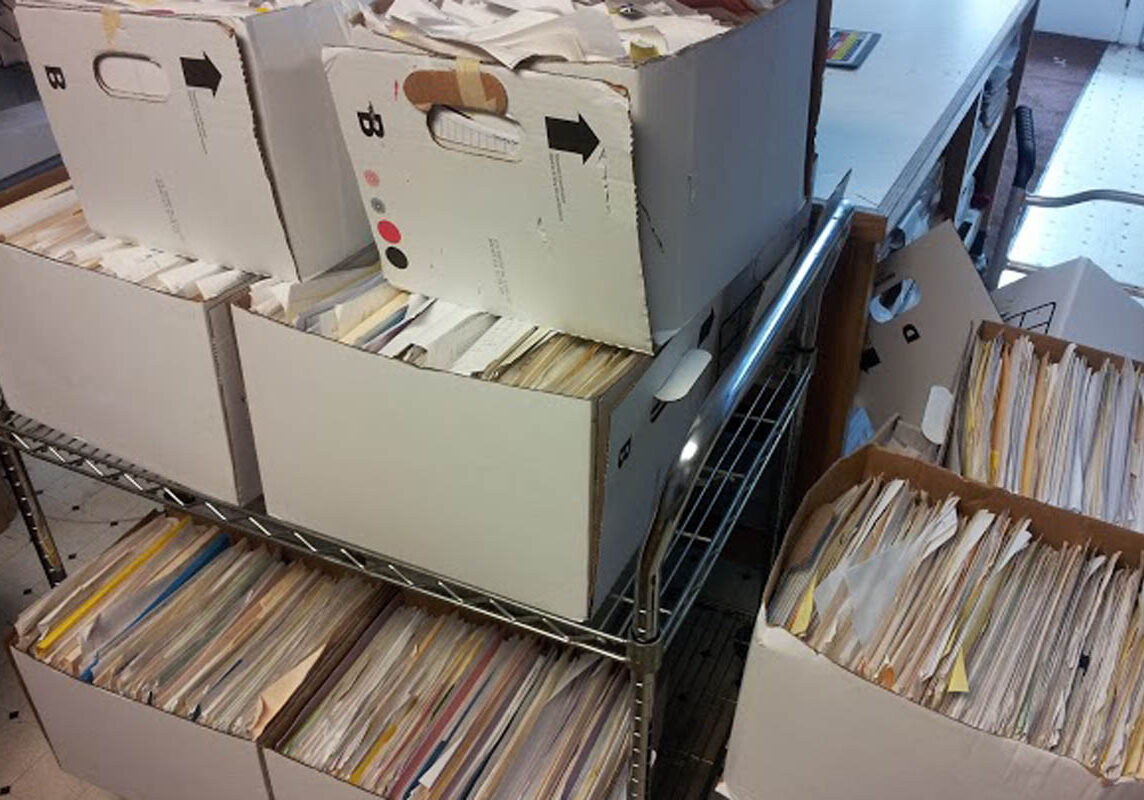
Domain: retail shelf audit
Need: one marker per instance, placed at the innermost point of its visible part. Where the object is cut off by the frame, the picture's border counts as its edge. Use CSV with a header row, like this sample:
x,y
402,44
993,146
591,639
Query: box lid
x,y
546,154
926,299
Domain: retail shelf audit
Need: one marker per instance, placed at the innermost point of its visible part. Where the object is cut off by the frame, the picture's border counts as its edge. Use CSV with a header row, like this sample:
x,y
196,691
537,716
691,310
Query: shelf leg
x,y
34,520
643,704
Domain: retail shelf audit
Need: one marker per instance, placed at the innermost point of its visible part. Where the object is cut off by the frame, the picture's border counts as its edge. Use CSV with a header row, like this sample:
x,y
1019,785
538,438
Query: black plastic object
x,y
1026,147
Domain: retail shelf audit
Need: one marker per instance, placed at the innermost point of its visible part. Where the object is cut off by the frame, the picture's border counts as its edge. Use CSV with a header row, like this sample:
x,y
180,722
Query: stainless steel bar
x,y
16,474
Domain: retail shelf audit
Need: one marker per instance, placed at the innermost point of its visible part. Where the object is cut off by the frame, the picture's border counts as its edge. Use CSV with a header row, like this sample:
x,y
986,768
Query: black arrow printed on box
x,y
201,73
571,137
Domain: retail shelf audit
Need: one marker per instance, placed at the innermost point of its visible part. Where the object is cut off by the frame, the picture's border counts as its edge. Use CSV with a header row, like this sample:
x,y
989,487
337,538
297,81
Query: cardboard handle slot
x,y
476,133
131,76
463,88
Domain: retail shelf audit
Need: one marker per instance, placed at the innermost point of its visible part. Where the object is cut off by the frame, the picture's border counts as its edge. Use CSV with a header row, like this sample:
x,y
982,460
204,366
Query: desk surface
x,y
889,120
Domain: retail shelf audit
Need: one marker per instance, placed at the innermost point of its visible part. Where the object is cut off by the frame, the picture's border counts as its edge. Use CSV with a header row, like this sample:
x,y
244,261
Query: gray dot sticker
x,y
377,205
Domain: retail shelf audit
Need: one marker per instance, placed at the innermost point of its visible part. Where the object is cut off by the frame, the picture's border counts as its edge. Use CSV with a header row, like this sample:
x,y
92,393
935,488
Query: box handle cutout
x,y
132,77
476,132
895,301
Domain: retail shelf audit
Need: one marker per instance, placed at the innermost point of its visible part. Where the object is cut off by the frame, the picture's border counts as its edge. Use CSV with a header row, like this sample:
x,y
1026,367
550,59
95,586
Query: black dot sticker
x,y
396,257
27,592
71,556
13,715
5,789
114,523
376,204
75,508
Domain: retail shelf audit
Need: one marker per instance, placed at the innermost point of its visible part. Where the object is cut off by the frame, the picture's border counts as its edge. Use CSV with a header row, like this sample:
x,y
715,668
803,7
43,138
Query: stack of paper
x,y
435,708
52,224
358,307
211,8
178,616
572,30
1068,433
966,614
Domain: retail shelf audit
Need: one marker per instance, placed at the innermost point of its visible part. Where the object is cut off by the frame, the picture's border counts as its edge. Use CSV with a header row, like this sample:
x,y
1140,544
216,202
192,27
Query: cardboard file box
x,y
144,375
632,195
539,497
1042,344
212,137
808,728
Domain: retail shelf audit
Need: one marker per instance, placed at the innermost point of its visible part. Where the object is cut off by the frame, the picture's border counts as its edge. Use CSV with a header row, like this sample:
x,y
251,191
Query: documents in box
x,y
902,586
612,200
497,716
516,460
156,667
205,131
129,349
1052,420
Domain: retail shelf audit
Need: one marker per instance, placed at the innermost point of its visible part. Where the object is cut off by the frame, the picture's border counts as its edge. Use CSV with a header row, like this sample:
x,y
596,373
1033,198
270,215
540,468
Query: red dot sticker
x,y
389,231
371,177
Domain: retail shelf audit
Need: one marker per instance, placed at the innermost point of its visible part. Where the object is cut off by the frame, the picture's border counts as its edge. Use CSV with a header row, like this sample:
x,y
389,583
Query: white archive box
x,y
134,750
147,376
540,497
208,136
607,200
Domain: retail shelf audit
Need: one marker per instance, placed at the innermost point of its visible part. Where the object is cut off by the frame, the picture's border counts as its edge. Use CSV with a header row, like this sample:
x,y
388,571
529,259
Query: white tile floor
x,y
85,517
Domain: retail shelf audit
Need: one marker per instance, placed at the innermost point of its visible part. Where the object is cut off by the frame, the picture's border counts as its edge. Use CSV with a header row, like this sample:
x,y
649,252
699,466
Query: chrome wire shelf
x,y
756,402
745,448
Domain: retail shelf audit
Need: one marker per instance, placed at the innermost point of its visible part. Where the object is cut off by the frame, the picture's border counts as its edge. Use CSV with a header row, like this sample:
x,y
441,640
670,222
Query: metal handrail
x,y
762,342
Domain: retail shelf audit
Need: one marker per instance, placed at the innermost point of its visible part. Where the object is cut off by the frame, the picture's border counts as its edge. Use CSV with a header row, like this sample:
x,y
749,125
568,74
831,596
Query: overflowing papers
x,y
358,307
52,224
511,31
178,616
1068,432
968,614
436,708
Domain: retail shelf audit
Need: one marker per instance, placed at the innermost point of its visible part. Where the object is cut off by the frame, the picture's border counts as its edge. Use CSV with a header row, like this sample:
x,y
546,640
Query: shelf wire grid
x,y
744,449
